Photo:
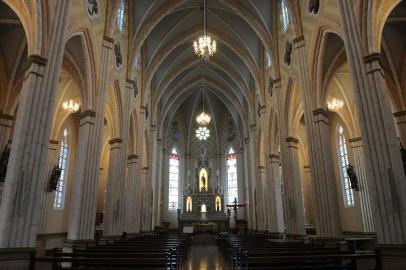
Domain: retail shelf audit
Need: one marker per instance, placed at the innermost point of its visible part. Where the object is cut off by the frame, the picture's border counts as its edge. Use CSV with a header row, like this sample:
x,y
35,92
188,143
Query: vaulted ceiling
x,y
164,33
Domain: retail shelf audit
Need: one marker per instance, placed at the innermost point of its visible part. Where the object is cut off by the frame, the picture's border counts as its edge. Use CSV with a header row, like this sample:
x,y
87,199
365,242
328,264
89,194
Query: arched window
x,y
63,165
232,176
284,15
343,165
173,180
268,60
120,15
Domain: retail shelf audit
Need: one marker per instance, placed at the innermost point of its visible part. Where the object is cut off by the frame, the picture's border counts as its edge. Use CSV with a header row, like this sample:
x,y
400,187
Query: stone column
x,y
113,214
292,193
84,194
53,159
386,178
87,163
262,199
320,156
145,201
20,210
274,201
250,184
308,196
132,193
400,119
323,182
359,166
292,190
6,124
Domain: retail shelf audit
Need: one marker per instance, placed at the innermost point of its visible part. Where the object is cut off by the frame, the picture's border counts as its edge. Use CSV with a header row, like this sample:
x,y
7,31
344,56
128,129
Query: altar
x,y
203,203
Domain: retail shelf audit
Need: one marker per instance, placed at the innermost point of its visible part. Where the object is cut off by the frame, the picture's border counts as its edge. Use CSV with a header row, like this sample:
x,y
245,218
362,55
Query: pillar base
x,y
391,257
16,258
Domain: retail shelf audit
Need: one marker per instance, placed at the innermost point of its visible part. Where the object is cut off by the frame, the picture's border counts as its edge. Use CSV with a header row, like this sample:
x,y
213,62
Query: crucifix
x,y
235,206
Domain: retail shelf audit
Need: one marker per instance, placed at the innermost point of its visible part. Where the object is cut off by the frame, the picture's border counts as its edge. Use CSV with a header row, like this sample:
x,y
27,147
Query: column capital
x,y
373,63
355,142
7,117
321,116
144,169
55,142
291,142
115,140
132,156
292,139
299,42
87,113
253,127
108,39
246,140
274,159
37,59
399,113
261,169
306,168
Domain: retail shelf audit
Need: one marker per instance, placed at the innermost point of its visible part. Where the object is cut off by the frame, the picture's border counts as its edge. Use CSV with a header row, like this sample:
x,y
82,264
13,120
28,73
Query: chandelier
x,y
71,106
335,104
202,133
205,46
203,118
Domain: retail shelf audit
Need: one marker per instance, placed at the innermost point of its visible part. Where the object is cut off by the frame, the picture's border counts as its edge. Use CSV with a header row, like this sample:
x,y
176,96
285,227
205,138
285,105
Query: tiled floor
x,y
204,254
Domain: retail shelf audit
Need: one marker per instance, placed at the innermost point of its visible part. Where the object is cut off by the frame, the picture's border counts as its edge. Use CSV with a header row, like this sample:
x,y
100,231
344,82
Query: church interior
x,y
202,134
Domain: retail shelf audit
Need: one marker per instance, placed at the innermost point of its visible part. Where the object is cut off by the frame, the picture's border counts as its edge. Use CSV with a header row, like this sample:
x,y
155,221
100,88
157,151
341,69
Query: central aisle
x,y
204,254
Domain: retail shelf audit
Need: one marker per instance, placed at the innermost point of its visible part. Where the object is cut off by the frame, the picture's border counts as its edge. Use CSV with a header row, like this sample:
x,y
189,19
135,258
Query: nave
x,y
164,120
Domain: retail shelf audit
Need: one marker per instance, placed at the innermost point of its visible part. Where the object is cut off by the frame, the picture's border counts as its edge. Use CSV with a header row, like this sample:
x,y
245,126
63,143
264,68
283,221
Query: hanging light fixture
x,y
71,106
205,46
335,104
203,118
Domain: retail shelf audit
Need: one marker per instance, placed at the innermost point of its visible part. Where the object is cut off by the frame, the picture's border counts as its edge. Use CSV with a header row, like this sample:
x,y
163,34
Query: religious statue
x,y
117,52
92,7
353,177
288,53
403,154
217,205
4,161
204,182
54,178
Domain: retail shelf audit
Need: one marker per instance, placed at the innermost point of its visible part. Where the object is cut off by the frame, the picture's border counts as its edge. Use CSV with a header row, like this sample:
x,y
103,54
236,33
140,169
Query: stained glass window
x,y
63,165
174,161
232,176
342,154
120,15
284,15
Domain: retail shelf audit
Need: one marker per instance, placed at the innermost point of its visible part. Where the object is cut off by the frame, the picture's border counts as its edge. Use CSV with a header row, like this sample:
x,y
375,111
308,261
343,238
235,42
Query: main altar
x,y
203,203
